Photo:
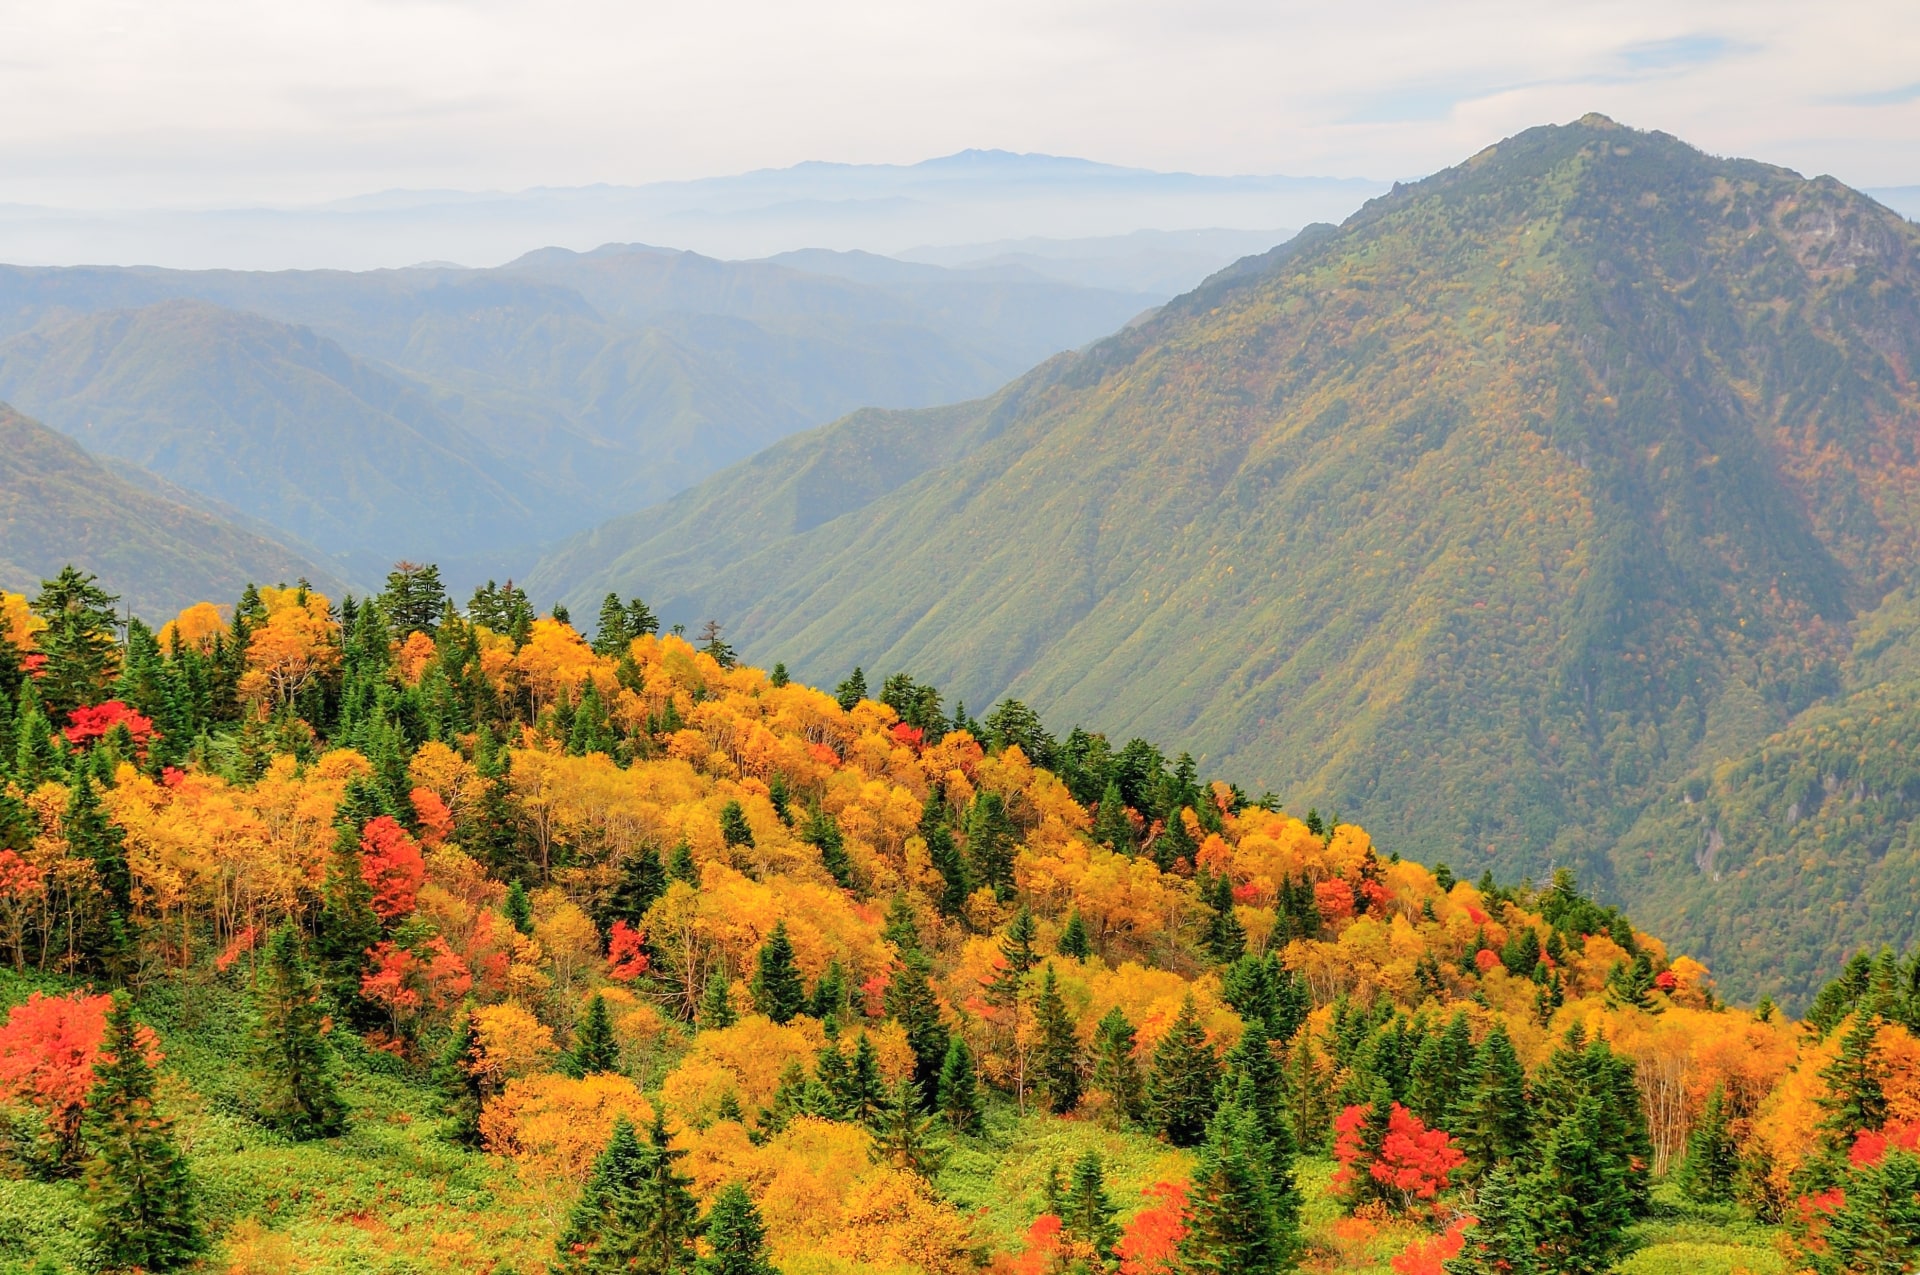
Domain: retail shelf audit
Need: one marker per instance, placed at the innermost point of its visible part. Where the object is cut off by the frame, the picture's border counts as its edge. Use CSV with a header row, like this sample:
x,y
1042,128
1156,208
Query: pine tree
x,y
293,1063
777,990
902,1136
990,841
98,840
142,1197
780,798
1580,1201
1235,1227
1086,1213
734,828
1017,956
1181,1087
862,1091
519,908
1713,1158
910,1001
829,997
613,635
822,832
1225,939
902,929
348,925
1056,1059
1073,942
958,1093
642,881
1256,1079
1501,1241
610,1197
851,691
943,853
1855,1097
1115,1071
648,1220
736,1238
1111,827
454,1075
414,599
1876,1231
1490,1125
36,754
716,1003
594,1048
778,677
681,867
592,730
79,641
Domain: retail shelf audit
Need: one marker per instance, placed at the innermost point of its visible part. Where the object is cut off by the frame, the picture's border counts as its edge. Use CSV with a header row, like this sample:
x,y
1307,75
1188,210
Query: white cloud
x,y
202,102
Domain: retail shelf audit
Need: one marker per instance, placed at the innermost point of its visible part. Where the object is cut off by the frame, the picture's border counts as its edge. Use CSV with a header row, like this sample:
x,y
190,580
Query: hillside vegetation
x,y
399,937
1499,517
58,504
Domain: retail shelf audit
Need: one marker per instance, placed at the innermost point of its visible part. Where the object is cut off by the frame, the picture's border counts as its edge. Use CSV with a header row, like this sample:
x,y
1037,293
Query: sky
x,y
215,103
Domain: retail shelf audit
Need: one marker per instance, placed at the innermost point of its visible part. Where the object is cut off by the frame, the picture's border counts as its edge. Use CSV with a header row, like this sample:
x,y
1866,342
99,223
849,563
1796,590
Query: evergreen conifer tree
x,y
778,677
822,832
1490,1124
863,1091
293,1062
519,908
594,1048
1073,938
643,879
143,1199
454,1075
736,1237
1855,1098
958,1093
612,635
829,997
990,841
1713,1158
902,929
777,990
1500,1242
851,691
1056,1059
1116,1073
348,925
588,1244
98,840
1086,1213
716,1002
902,1135
910,1001
1181,1087
79,643
943,853
1226,940
681,867
1877,1229
734,828
1111,827
1235,1227
1579,1202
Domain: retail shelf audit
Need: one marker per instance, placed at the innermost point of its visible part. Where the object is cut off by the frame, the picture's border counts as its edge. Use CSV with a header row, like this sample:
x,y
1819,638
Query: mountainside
x,y
449,412
279,422
1537,489
59,505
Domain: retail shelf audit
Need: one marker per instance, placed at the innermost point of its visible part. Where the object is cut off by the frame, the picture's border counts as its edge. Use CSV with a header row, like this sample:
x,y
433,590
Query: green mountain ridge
x,y
1532,493
60,505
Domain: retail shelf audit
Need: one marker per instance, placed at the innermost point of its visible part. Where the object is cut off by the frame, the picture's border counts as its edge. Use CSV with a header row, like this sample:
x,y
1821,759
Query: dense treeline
x,y
739,972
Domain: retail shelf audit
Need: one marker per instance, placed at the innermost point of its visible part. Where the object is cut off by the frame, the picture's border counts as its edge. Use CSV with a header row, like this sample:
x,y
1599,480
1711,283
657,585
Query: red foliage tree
x,y
431,813
48,1047
391,864
1151,1240
1429,1254
1412,1163
626,953
430,975
91,723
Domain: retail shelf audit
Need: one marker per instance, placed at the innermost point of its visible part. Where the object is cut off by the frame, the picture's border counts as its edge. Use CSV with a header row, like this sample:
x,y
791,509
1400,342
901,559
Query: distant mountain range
x,y
1561,509
467,415
969,197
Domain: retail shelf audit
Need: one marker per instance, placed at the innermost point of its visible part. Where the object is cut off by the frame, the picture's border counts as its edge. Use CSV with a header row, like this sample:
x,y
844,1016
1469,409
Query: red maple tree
x,y
391,864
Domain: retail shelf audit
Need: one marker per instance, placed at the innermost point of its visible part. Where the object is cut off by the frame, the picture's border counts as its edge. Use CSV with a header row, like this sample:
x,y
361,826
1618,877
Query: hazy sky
x,y
198,102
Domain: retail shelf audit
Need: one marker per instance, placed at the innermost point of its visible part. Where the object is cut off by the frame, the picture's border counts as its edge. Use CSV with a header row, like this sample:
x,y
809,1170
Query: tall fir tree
x,y
145,1213
293,1062
457,1078
600,1217
910,1001
1855,1096
1056,1055
1490,1124
903,1136
1087,1213
1111,827
1073,942
736,1237
1235,1225
348,925
777,990
595,1051
990,842
822,832
958,1090
716,1011
79,642
93,837
1116,1073
1708,1173
734,828
1181,1088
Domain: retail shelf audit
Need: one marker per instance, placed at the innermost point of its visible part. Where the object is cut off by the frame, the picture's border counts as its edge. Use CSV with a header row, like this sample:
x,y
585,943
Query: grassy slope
x,y
1533,490
59,505
391,1198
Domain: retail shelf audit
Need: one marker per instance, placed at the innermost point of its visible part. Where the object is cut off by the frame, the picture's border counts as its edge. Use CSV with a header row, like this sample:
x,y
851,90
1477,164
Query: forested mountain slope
x,y
444,412
59,505
1540,486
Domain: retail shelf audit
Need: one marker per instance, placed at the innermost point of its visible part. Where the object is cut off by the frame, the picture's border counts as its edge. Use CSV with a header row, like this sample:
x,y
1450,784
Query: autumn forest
x,y
389,934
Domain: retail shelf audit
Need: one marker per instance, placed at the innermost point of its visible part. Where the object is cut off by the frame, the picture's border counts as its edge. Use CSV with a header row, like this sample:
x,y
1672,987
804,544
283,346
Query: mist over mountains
x,y
968,197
